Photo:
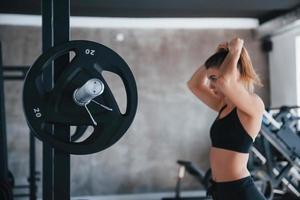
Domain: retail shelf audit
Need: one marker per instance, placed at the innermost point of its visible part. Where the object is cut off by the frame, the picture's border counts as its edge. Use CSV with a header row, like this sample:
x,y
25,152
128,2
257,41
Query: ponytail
x,y
248,76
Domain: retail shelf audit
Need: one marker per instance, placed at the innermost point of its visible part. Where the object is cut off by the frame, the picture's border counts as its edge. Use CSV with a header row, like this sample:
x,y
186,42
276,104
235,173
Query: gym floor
x,y
145,196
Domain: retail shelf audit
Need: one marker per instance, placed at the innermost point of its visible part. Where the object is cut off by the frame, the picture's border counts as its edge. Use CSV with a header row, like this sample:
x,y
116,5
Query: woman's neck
x,y
228,103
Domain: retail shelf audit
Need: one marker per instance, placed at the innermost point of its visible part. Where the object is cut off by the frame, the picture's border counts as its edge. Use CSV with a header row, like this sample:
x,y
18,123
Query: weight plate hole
x,y
72,54
117,87
81,135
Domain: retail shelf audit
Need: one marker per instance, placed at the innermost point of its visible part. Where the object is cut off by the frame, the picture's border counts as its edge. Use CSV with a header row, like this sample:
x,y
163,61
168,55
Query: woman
x,y
226,84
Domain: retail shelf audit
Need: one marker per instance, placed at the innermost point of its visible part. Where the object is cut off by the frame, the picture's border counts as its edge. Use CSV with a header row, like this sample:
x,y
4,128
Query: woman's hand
x,y
235,46
229,66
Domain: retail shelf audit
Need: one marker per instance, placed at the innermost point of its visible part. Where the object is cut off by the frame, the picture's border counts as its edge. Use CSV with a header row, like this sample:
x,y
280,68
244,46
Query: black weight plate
x,y
56,106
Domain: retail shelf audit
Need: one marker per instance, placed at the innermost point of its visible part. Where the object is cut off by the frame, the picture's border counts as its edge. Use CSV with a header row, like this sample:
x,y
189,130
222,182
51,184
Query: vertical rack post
x,y
3,141
56,164
61,161
32,168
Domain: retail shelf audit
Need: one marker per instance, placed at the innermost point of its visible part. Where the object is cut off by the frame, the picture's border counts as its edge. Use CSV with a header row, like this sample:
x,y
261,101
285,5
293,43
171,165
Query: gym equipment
x,y
261,180
279,144
6,192
263,183
80,85
5,184
14,73
197,173
287,115
17,73
60,94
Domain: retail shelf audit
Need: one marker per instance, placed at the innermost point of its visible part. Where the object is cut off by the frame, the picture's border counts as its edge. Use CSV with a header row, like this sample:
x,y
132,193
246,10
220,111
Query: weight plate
x,y
45,106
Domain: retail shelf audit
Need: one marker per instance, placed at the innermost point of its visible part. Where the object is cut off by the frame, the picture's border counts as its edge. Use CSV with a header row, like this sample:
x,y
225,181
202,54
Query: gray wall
x,y
170,123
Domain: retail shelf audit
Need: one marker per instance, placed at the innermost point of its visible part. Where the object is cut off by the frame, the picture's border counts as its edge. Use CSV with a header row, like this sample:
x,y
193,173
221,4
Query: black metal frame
x,y
16,73
32,170
3,141
56,164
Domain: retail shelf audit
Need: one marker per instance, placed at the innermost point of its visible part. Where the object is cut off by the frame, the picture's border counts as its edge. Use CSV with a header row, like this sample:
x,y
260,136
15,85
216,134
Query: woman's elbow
x,y
189,84
192,86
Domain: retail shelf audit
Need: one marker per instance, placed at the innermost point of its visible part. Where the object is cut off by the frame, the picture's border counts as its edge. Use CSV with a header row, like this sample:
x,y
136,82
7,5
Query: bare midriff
x,y
227,165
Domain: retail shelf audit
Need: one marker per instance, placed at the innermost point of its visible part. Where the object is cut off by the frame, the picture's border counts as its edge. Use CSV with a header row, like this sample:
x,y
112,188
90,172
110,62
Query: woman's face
x,y
212,75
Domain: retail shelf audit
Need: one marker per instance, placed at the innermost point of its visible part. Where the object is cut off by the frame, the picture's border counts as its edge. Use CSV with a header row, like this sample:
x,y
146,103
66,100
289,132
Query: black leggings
x,y
241,189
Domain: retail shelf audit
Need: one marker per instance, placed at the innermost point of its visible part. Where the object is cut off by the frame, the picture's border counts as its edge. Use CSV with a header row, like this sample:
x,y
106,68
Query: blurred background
x,y
163,42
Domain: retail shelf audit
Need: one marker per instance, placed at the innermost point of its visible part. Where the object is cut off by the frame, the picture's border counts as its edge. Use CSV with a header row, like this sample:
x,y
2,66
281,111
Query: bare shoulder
x,y
257,105
252,124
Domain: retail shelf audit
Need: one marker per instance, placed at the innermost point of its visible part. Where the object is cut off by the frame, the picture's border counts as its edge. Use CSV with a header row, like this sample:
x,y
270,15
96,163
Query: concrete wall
x,y
170,124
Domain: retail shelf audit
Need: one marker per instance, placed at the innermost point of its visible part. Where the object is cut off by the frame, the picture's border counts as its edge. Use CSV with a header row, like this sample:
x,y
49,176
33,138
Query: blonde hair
x,y
248,76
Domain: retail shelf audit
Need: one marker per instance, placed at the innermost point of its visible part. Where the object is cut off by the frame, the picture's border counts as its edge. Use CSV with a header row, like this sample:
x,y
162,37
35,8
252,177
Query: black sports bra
x,y
228,133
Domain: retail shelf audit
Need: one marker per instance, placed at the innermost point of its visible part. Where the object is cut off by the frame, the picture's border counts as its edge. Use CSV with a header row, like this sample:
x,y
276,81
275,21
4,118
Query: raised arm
x,y
198,86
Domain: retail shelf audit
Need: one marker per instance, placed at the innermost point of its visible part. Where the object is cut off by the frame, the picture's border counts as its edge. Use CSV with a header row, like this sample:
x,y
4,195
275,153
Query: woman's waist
x,y
228,174
224,157
229,169
226,167
228,162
